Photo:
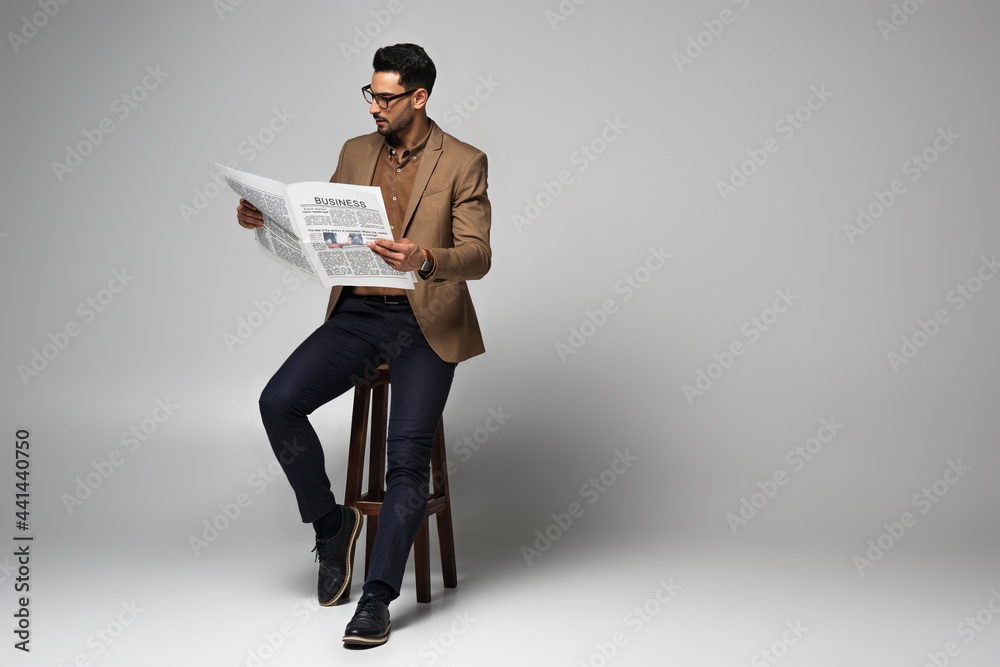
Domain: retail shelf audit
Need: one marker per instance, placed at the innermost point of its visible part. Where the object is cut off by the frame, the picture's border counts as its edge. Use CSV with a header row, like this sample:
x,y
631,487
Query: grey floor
x,y
114,586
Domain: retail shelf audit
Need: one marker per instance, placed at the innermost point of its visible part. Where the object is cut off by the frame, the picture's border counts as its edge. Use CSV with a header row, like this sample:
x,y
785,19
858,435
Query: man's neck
x,y
412,134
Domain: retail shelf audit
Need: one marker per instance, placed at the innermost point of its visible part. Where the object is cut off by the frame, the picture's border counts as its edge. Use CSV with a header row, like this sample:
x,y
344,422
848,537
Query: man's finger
x,y
255,214
383,248
388,245
249,220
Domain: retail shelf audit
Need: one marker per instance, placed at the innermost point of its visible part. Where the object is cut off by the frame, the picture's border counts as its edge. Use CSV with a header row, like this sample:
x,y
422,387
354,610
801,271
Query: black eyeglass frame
x,y
382,100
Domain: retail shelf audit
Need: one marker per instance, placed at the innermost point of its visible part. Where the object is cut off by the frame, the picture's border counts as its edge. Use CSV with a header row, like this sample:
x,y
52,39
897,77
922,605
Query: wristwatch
x,y
428,262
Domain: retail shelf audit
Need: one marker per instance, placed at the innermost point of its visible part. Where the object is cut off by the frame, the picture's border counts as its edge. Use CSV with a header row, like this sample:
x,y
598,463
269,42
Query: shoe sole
x,y
368,641
358,518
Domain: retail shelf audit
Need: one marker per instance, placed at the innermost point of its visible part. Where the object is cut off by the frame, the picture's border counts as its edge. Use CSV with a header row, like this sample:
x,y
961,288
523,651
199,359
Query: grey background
x,y
554,87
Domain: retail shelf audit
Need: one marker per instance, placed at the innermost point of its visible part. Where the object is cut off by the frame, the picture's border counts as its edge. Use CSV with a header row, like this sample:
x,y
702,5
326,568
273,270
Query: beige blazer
x,y
449,213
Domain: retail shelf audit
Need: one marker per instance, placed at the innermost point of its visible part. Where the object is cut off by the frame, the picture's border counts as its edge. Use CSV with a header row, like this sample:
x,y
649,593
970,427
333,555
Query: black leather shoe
x,y
334,556
370,625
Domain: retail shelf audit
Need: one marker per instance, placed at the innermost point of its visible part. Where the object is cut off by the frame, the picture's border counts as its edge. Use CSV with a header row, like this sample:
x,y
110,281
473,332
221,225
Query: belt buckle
x,y
394,299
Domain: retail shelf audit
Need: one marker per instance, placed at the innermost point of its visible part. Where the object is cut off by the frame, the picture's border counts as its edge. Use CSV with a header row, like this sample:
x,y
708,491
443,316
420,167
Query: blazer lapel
x,y
367,167
429,160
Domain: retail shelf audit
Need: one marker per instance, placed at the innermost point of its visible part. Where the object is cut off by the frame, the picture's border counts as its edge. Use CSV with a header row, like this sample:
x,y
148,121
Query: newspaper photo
x,y
321,229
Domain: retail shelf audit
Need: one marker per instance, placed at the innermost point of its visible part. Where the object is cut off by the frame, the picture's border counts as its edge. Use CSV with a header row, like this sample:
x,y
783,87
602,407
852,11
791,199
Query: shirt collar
x,y
413,152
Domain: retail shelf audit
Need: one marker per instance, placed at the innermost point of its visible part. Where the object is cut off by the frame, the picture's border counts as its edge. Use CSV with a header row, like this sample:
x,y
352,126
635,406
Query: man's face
x,y
400,111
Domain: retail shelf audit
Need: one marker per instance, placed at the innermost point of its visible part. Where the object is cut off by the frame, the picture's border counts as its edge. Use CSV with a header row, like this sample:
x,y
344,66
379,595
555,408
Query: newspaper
x,y
322,229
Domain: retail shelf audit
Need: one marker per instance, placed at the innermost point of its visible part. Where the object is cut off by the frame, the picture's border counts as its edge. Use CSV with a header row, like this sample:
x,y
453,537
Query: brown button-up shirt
x,y
395,172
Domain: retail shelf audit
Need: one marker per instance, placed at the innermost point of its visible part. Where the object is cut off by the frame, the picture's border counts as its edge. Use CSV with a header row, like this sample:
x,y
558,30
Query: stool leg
x,y
379,431
376,462
356,461
446,533
446,540
422,563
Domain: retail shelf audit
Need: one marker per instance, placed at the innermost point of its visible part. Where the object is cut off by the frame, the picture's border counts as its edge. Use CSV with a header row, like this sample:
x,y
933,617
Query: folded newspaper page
x,y
321,229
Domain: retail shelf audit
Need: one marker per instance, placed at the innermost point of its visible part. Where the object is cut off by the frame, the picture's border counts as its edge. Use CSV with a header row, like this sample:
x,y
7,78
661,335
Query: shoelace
x,y
324,551
368,603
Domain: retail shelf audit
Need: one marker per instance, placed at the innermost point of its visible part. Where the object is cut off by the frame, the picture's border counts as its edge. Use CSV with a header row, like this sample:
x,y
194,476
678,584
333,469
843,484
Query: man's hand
x,y
402,255
248,215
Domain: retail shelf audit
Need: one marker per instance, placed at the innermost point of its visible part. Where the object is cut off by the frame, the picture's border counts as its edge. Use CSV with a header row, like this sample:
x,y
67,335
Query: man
x,y
434,188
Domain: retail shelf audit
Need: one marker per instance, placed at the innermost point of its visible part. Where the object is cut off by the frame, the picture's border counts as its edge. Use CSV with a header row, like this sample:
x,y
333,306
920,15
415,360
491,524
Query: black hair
x,y
411,62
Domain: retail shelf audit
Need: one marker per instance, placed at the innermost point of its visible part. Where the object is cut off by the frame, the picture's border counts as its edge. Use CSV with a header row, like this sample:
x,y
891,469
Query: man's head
x,y
410,62
402,70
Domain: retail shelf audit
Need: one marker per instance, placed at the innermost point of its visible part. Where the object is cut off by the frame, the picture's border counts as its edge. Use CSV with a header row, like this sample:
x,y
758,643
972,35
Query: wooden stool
x,y
374,392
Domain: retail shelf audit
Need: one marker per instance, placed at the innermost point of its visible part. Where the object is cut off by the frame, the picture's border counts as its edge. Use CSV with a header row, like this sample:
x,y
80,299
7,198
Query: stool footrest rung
x,y
436,505
368,508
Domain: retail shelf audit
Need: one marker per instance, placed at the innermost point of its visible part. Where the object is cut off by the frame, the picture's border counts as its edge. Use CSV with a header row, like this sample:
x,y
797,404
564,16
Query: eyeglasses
x,y
383,100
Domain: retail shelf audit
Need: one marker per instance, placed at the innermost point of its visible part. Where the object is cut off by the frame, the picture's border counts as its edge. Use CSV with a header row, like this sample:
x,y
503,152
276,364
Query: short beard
x,y
401,123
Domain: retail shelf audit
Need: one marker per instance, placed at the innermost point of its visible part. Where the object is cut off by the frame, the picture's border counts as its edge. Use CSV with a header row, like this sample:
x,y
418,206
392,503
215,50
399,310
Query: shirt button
x,y
414,158
393,199
398,170
392,150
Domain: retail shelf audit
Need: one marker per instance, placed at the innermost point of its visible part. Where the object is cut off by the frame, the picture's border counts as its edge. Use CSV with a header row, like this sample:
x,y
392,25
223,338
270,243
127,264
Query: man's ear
x,y
420,98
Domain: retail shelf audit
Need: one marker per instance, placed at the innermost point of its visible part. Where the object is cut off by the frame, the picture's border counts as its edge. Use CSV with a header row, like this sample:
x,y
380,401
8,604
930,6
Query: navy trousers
x,y
361,334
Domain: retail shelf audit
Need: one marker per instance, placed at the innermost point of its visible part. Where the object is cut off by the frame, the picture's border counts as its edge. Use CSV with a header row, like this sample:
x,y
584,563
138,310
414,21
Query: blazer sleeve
x,y
470,257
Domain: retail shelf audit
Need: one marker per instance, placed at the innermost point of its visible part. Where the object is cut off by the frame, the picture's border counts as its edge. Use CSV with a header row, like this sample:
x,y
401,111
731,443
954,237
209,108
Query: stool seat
x,y
371,399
